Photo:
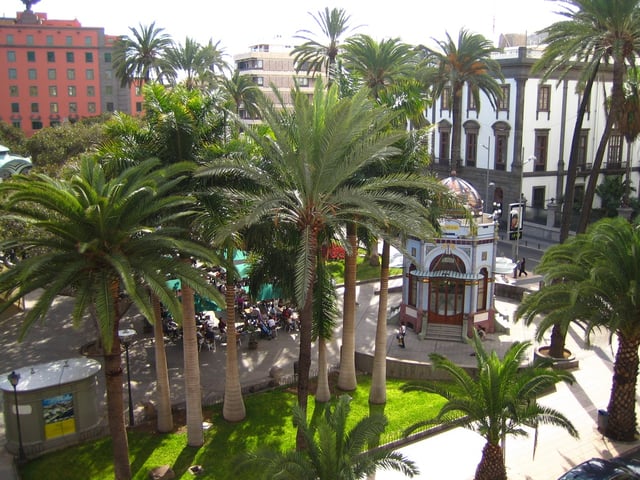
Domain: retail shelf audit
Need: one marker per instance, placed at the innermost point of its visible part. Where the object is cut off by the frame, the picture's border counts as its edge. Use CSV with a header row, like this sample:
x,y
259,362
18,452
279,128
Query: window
x,y
538,197
88,41
31,56
71,91
138,107
471,148
71,74
110,107
107,57
471,102
35,108
53,91
36,125
13,90
251,64
544,98
15,107
9,39
70,57
13,74
445,99
51,74
91,106
33,91
49,39
303,81
108,75
33,74
137,91
51,57
503,103
11,56
73,107
582,151
258,80
614,151
53,107
16,123
91,91
88,57
89,74
29,39
108,90
444,147
54,123
482,289
502,142
541,150
68,40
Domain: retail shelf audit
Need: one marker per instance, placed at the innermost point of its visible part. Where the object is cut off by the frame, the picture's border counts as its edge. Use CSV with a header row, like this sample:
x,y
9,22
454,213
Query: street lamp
x,y
522,203
14,378
126,337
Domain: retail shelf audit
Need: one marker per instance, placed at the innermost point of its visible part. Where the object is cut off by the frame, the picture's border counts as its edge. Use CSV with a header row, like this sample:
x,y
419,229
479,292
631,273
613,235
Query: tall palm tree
x,y
629,124
600,288
595,33
466,62
142,57
497,401
319,56
333,453
311,153
200,65
101,238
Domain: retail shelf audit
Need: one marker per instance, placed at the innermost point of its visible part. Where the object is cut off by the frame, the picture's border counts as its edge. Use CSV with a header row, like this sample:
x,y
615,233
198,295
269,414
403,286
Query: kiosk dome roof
x,y
465,192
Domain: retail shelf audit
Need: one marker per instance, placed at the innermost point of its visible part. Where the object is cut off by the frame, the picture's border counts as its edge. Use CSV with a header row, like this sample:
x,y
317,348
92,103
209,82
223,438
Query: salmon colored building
x,y
57,71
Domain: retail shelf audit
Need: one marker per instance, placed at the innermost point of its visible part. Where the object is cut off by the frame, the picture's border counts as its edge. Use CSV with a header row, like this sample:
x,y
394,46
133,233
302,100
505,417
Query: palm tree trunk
x,y
165,417
491,466
557,343
347,380
621,422
195,433
617,100
572,168
323,394
378,392
233,409
306,324
115,411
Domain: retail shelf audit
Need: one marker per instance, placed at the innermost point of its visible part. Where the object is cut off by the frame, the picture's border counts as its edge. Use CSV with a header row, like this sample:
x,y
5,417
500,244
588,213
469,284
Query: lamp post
x,y
14,378
522,202
126,337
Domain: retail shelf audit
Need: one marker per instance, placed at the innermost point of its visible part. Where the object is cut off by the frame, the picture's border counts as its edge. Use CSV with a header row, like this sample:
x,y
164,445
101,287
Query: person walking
x,y
523,268
401,334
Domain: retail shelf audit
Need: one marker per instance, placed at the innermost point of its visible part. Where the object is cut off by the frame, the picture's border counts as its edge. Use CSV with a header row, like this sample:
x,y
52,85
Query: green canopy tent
x,y
268,291
201,304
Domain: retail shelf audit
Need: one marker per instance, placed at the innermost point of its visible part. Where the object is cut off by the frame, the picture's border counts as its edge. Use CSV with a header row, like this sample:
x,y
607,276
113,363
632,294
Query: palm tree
x,y
467,62
314,55
629,125
100,238
201,65
497,401
333,453
311,153
594,33
599,288
143,57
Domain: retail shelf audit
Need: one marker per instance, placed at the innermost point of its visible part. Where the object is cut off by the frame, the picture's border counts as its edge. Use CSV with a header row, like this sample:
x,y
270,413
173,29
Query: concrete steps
x,y
449,333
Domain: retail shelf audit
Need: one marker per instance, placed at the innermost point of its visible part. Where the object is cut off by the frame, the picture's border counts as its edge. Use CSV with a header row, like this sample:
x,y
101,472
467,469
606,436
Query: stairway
x,y
439,331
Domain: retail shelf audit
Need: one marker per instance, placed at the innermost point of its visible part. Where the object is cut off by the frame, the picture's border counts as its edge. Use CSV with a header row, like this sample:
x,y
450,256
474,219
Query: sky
x,y
237,24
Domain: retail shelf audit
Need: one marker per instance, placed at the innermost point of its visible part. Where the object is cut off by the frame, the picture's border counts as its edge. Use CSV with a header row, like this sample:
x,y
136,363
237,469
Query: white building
x,y
523,146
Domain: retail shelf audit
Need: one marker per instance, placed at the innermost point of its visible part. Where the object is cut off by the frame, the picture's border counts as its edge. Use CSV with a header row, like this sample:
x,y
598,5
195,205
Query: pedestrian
x,y
522,264
402,331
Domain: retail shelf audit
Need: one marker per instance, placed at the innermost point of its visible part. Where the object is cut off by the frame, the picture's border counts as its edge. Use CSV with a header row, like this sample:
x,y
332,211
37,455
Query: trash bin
x,y
603,419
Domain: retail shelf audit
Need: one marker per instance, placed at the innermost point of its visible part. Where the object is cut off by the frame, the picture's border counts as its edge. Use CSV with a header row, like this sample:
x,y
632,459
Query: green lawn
x,y
268,423
364,272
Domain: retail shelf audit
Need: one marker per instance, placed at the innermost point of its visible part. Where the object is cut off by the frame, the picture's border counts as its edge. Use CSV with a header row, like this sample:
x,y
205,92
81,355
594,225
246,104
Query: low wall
x,y
403,369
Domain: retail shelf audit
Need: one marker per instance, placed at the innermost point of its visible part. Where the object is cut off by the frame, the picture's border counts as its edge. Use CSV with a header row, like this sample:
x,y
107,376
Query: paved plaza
x,y
453,454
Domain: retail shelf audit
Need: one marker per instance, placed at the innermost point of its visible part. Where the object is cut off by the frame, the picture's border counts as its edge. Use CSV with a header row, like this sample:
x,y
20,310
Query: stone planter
x,y
567,362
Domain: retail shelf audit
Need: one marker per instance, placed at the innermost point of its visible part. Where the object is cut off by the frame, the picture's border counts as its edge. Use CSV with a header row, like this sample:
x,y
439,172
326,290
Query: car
x,y
10,164
603,469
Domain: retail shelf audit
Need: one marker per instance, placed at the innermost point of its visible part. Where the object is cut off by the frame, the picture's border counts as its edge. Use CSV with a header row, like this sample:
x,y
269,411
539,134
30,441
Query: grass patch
x,y
365,271
268,422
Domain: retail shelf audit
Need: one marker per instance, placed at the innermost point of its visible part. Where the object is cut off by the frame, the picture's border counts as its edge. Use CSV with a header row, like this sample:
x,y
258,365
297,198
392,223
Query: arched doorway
x,y
446,290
